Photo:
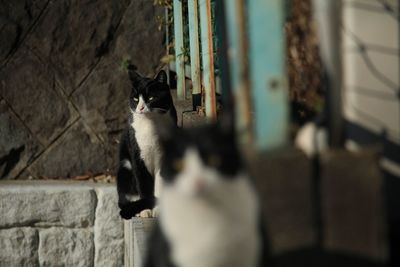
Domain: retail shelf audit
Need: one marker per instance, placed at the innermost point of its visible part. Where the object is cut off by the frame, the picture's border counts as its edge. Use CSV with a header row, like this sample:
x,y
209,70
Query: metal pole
x,y
179,49
207,58
328,16
238,64
194,52
268,77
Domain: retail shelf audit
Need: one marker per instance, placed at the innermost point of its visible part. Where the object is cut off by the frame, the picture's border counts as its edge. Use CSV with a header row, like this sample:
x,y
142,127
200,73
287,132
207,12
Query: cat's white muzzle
x,y
196,179
141,106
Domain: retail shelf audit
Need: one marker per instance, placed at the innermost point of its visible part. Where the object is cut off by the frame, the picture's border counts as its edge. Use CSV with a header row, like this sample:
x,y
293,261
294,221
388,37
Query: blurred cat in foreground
x,y
209,211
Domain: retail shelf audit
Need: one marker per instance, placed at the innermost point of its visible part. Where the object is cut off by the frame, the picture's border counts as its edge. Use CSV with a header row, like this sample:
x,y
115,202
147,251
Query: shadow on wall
x,y
11,159
63,90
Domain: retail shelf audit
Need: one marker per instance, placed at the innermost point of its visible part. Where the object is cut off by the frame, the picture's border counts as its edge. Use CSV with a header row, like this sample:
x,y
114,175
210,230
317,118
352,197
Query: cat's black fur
x,y
209,140
133,177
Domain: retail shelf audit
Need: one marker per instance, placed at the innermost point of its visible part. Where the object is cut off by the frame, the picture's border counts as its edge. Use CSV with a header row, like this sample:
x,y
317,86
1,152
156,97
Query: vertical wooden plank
x,y
166,14
267,72
207,58
179,49
194,46
238,67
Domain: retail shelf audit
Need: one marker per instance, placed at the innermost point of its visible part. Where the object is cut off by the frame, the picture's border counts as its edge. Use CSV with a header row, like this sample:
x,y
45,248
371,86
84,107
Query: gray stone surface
x,y
60,62
138,37
16,20
45,204
108,229
18,147
74,35
66,247
284,184
28,86
353,203
18,247
105,113
79,151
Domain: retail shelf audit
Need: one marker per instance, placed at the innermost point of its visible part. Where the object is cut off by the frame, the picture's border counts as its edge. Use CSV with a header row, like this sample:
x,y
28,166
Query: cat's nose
x,y
141,108
199,185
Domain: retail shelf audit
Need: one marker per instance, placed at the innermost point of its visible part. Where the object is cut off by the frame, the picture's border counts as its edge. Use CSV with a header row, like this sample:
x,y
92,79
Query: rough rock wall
x,y
63,91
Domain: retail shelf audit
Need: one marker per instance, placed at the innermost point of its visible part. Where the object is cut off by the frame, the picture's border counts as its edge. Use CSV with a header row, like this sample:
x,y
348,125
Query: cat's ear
x,y
161,77
133,75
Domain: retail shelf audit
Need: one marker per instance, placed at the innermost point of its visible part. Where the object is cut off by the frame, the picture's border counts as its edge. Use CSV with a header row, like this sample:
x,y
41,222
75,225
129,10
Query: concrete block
x,y
137,232
283,181
46,204
66,247
128,239
108,229
353,204
19,247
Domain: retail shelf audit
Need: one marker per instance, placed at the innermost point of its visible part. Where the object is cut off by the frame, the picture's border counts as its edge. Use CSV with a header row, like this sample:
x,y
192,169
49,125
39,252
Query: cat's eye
x,y
151,98
214,160
178,164
136,99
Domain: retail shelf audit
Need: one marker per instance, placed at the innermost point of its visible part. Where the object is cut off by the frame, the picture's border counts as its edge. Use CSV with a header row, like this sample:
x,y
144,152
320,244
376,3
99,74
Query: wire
x,y
388,9
362,48
372,93
365,6
380,49
374,120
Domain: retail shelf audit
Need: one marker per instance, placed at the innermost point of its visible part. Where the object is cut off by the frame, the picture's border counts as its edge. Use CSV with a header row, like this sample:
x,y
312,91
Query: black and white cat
x,y
209,212
138,177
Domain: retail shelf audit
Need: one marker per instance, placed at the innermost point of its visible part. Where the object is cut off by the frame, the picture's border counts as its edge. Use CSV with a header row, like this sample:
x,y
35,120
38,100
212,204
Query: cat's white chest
x,y
147,140
203,235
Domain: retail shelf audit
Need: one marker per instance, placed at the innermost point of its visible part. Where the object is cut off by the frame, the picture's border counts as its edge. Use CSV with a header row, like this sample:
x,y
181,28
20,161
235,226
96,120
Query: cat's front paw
x,y
156,211
140,208
127,210
126,214
147,213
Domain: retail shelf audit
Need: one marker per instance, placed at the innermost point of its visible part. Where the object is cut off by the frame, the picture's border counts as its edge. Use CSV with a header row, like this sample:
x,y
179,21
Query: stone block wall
x,y
63,91
60,224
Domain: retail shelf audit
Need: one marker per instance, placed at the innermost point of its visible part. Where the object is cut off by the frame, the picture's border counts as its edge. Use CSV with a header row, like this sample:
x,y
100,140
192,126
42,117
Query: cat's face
x,y
149,95
199,161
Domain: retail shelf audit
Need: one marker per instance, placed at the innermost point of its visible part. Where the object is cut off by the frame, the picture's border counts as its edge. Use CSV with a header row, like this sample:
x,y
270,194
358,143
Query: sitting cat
x,y
138,177
209,212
